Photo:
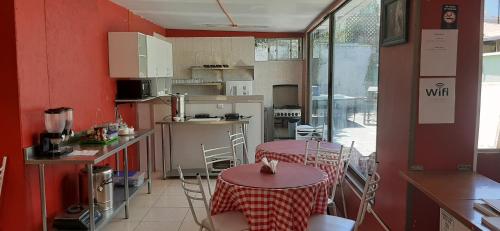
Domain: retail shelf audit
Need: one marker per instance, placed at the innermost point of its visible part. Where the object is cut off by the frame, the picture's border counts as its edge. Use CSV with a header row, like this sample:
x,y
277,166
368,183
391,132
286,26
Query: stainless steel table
x,y
192,172
121,194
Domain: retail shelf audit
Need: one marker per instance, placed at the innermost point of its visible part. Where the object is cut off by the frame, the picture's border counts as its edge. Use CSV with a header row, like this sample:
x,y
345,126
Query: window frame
x,y
353,174
276,40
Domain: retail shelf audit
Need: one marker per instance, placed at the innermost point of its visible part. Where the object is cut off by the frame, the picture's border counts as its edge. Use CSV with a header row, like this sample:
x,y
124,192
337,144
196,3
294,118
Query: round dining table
x,y
281,201
294,151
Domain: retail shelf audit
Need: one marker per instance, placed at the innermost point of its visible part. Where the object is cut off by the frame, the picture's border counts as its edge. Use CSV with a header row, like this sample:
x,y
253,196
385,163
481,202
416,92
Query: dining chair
x,y
2,172
320,222
228,221
345,159
312,147
219,155
238,142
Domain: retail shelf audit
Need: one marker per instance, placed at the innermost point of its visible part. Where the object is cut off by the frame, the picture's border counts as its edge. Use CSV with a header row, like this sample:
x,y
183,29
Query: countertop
x,y
456,192
104,151
214,122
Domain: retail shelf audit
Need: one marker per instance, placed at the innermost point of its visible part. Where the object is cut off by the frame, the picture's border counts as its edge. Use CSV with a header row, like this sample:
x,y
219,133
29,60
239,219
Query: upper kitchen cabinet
x,y
135,55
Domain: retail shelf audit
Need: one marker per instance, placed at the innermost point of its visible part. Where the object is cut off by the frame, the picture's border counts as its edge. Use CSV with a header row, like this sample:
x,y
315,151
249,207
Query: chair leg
x,y
343,200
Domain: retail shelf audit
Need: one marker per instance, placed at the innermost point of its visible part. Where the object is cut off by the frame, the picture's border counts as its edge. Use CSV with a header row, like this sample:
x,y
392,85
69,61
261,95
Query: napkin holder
x,y
269,167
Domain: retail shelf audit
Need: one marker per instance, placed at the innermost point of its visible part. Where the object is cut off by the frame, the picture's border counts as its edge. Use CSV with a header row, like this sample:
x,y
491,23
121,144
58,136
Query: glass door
x,y
318,74
355,62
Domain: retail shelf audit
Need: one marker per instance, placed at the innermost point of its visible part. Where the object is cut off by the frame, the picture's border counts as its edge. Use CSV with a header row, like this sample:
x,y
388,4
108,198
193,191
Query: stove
x,y
287,112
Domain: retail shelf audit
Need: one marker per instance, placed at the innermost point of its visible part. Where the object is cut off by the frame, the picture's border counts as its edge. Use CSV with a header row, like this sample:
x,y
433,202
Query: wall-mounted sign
x,y
436,101
438,53
449,17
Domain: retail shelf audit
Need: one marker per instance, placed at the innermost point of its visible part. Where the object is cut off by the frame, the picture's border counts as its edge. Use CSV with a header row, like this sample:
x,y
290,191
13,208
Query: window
x,y
489,120
318,74
355,78
278,49
350,55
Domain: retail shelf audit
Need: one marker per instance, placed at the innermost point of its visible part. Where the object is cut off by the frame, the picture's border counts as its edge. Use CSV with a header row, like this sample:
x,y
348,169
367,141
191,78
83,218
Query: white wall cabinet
x,y
136,55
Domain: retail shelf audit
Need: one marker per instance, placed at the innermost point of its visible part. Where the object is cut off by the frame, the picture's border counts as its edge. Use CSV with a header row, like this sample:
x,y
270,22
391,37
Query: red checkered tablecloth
x,y
273,207
293,151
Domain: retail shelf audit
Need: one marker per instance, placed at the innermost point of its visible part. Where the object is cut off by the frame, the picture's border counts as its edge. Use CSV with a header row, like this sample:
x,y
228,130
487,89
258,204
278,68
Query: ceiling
x,y
249,15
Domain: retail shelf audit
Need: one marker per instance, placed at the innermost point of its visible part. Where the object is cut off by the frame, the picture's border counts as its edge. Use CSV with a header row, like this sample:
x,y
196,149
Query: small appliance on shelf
x,y
76,217
58,125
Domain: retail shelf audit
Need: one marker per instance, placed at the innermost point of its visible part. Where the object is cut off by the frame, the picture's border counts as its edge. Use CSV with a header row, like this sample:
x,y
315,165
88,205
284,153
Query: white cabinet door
x,y
158,57
169,62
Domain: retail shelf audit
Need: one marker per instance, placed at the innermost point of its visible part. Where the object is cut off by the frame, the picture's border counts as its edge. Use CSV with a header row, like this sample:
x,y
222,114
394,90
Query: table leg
x,y
117,161
163,159
170,144
148,156
125,176
90,183
244,128
41,169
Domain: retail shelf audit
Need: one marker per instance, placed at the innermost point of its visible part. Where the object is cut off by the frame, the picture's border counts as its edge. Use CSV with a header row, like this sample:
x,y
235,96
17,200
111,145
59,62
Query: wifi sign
x,y
440,90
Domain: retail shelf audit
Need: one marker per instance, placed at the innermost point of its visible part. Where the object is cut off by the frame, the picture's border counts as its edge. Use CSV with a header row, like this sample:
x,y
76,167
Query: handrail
x,y
2,172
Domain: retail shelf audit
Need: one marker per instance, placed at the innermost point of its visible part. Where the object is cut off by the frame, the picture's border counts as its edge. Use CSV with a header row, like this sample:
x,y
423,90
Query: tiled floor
x,y
166,209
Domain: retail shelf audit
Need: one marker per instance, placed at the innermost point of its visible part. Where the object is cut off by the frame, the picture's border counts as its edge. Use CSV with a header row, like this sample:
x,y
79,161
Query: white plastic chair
x,y
216,155
307,132
326,223
2,172
238,142
228,221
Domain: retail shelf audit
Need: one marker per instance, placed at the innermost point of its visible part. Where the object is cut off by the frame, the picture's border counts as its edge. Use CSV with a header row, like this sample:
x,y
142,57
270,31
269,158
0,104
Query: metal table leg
x,y
148,156
117,161
125,176
41,169
163,159
90,173
170,144
244,128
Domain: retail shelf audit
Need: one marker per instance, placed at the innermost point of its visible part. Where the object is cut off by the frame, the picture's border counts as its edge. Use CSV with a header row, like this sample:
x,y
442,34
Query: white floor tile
x,y
166,214
122,225
158,226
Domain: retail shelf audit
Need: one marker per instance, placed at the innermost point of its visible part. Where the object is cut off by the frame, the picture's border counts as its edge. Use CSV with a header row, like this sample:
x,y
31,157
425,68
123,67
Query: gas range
x,y
287,112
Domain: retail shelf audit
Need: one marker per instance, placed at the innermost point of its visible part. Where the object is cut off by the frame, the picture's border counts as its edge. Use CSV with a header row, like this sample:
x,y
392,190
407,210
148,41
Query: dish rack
x,y
2,172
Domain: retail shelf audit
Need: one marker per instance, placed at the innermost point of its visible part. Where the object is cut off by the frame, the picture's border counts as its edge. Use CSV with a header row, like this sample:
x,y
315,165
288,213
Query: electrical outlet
x,y
220,106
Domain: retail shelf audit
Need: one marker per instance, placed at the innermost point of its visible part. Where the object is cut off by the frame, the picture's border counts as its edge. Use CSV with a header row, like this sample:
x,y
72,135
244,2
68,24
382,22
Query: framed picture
x,y
394,22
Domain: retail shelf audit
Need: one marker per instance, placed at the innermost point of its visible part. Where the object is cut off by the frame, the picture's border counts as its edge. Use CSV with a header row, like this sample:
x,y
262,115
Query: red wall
x,y
62,58
12,209
488,165
444,146
208,33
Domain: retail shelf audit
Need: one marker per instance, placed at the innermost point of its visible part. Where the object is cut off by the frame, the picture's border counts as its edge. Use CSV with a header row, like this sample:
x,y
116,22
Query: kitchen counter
x,y
207,122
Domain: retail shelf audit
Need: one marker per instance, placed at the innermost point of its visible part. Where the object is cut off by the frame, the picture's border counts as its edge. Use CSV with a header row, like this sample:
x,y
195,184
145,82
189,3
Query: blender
x,y
50,141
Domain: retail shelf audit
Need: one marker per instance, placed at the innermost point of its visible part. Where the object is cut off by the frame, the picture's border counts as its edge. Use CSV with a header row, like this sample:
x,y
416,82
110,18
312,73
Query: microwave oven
x,y
133,89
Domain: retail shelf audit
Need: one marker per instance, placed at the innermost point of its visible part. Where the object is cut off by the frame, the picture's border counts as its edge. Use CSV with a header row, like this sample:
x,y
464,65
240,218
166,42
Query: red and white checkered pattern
x,y
295,158
272,209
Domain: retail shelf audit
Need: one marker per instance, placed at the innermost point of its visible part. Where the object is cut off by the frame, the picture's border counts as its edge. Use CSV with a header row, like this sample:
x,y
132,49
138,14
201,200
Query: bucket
x,y
103,187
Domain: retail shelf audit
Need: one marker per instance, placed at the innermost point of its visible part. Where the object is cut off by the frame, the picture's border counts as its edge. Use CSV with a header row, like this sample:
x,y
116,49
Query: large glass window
x,y
276,49
318,74
489,121
355,78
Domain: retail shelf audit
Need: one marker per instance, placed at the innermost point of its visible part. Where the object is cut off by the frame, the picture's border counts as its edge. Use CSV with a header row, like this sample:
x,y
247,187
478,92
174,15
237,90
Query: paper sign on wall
x,y
436,101
438,53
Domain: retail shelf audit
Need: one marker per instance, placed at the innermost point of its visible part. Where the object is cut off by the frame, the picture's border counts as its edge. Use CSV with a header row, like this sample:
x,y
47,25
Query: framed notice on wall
x,y
438,53
436,101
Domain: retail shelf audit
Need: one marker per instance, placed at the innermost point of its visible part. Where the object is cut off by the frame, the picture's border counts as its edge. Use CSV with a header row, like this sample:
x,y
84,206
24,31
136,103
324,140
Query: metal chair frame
x,y
194,192
236,140
216,155
369,191
2,172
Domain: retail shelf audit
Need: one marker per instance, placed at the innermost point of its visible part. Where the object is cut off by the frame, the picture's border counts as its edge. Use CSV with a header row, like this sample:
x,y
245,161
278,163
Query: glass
x,y
284,49
489,120
294,49
261,50
318,74
355,79
491,10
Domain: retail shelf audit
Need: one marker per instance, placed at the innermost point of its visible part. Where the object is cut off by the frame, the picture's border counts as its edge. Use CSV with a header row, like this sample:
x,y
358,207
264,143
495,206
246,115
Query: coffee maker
x,y
58,122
